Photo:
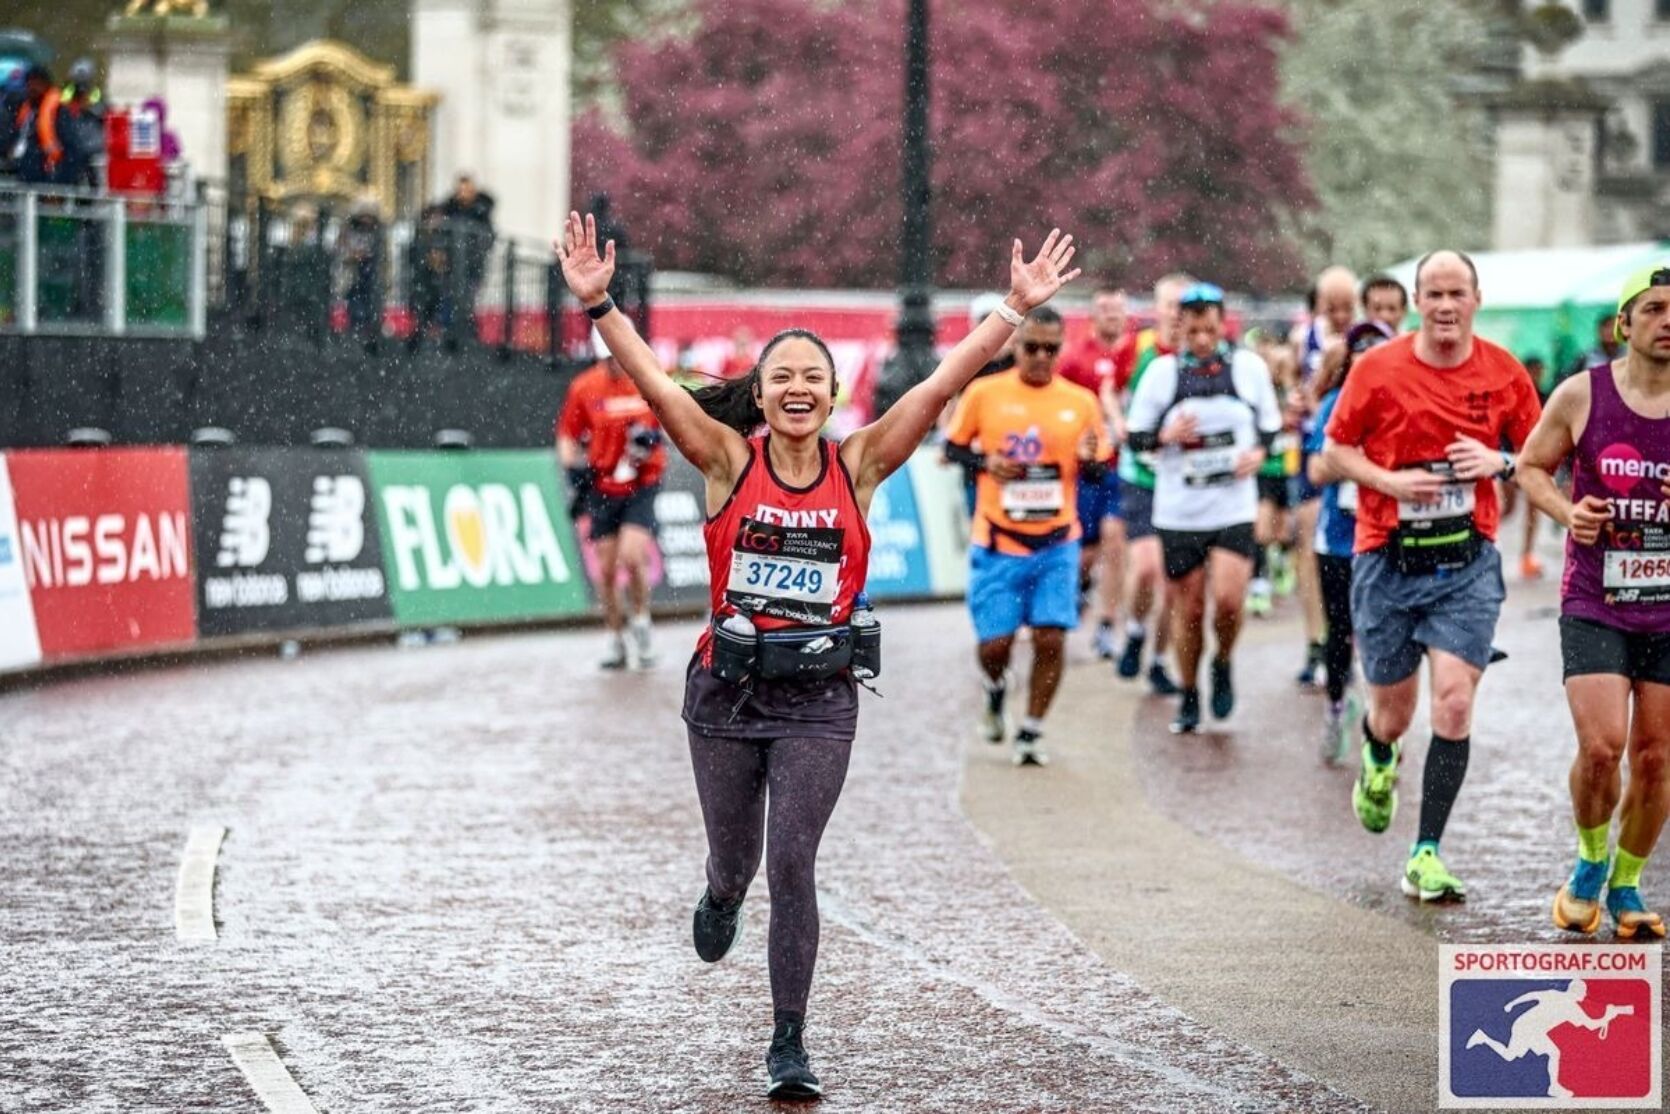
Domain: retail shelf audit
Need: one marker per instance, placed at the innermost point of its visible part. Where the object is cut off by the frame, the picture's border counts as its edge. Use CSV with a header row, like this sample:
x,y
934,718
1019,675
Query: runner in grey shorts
x,y
1419,427
1398,618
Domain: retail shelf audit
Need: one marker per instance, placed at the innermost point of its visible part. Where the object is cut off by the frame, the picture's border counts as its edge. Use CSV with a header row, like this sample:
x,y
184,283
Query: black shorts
x,y
1588,648
610,512
1277,490
1136,511
1186,550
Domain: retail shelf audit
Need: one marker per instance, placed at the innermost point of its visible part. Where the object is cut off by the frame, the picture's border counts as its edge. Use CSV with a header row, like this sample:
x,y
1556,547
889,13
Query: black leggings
x,y
1335,574
804,779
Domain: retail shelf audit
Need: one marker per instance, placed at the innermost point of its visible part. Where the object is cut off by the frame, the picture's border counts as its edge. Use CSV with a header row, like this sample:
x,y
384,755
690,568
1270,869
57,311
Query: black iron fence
x,y
341,273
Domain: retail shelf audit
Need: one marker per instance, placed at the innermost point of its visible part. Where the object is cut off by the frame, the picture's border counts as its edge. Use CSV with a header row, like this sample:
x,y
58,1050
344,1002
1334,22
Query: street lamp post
x,y
914,360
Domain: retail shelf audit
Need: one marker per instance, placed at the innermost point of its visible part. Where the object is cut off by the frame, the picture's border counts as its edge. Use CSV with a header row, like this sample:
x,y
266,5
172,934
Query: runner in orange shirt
x,y
1039,435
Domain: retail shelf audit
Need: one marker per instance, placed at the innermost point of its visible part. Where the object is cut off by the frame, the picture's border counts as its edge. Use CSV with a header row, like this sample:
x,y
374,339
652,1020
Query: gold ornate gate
x,y
325,124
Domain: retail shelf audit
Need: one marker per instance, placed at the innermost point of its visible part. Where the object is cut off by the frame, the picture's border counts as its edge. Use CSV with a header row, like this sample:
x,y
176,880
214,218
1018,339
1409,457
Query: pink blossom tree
x,y
765,146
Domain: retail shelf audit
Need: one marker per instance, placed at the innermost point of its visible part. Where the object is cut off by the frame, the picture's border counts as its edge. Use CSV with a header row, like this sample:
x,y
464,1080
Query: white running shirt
x,y
1194,486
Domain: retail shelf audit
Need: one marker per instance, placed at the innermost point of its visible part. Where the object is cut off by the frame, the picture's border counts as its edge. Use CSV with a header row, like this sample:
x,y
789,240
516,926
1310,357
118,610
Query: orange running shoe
x,y
1530,568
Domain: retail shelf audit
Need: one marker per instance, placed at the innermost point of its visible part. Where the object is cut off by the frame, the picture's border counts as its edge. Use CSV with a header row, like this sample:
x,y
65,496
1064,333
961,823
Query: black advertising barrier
x,y
680,511
286,539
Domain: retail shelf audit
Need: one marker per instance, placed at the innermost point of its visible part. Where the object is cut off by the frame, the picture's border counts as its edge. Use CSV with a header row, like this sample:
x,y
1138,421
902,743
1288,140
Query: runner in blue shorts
x,y
1039,435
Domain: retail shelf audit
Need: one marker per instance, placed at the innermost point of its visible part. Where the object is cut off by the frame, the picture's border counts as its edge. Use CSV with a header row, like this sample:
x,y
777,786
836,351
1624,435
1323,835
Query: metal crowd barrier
x,y
90,264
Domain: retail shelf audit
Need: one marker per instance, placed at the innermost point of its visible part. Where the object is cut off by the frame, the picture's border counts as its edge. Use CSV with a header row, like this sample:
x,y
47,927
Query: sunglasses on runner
x,y
1033,347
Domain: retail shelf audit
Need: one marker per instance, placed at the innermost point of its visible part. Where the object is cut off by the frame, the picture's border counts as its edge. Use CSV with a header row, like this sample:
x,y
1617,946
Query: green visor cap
x,y
1658,274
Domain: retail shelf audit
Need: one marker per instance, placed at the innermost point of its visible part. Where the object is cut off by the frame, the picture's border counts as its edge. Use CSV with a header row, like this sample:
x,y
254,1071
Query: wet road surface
x,y
1257,785
460,878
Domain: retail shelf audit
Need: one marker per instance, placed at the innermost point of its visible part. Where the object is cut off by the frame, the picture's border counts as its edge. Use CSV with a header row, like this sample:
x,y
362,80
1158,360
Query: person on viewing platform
x,y
430,267
468,214
361,250
81,120
11,99
37,148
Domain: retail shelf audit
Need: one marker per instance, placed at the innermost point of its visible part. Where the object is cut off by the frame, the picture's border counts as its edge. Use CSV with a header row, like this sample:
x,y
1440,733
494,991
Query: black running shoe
x,y
1315,654
1130,662
1188,714
1223,689
717,927
1160,682
786,1064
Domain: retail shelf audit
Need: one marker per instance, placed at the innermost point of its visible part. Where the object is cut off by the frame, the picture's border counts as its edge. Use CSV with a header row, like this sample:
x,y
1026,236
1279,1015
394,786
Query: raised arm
x,y
716,449
876,451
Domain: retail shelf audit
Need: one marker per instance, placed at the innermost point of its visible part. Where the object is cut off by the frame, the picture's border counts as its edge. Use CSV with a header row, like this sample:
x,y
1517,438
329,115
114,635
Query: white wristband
x,y
1009,316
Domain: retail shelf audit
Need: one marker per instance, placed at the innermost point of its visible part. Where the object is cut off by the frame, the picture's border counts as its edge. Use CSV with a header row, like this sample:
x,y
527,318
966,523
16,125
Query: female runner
x,y
771,704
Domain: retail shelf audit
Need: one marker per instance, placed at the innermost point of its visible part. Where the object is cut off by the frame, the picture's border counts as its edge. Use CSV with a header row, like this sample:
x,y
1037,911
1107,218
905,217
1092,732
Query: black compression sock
x,y
1446,769
1379,751
1260,563
788,1017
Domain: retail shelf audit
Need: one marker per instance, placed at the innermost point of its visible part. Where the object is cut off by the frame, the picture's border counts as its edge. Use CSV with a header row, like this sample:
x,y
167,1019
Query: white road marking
x,y
268,1078
194,892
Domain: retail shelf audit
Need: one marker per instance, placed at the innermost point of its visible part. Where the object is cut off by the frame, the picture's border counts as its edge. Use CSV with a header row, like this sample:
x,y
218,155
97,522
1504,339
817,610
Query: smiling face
x,y
1447,297
796,389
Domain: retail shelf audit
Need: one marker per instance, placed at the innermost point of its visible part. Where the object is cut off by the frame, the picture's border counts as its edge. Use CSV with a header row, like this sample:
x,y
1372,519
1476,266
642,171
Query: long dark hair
x,y
733,403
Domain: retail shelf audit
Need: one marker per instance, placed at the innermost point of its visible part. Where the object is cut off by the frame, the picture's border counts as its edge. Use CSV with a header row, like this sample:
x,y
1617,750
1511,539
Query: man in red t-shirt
x,y
610,444
1102,361
1418,427
741,360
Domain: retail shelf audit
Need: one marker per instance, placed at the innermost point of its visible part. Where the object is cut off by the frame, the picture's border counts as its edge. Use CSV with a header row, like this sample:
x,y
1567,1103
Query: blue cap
x,y
1202,294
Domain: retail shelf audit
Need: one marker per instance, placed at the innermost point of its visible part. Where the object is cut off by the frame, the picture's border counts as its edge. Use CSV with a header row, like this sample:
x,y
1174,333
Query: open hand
x,y
1587,516
1180,429
1473,460
1032,284
1249,462
587,271
1001,467
1414,485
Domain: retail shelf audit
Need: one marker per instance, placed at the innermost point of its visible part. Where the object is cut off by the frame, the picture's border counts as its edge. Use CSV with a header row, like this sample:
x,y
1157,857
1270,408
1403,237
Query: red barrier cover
x,y
105,536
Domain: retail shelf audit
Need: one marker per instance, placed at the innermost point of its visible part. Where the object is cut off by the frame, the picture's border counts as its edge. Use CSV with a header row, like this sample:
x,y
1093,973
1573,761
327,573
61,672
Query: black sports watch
x,y
1509,467
601,309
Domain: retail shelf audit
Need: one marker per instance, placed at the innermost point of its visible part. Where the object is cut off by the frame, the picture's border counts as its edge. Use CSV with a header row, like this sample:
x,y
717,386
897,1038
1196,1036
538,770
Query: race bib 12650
x,y
1639,575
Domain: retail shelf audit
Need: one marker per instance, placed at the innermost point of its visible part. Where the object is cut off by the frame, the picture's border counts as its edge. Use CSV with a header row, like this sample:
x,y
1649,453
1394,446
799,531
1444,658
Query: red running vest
x,y
787,556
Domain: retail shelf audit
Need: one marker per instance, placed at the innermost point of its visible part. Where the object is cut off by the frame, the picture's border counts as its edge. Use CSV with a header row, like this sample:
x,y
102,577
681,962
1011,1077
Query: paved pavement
x,y
459,878
1227,874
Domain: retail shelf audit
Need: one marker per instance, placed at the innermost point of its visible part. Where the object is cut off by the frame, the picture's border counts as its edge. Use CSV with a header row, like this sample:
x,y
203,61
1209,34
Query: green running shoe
x,y
1426,877
1374,793
1284,574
